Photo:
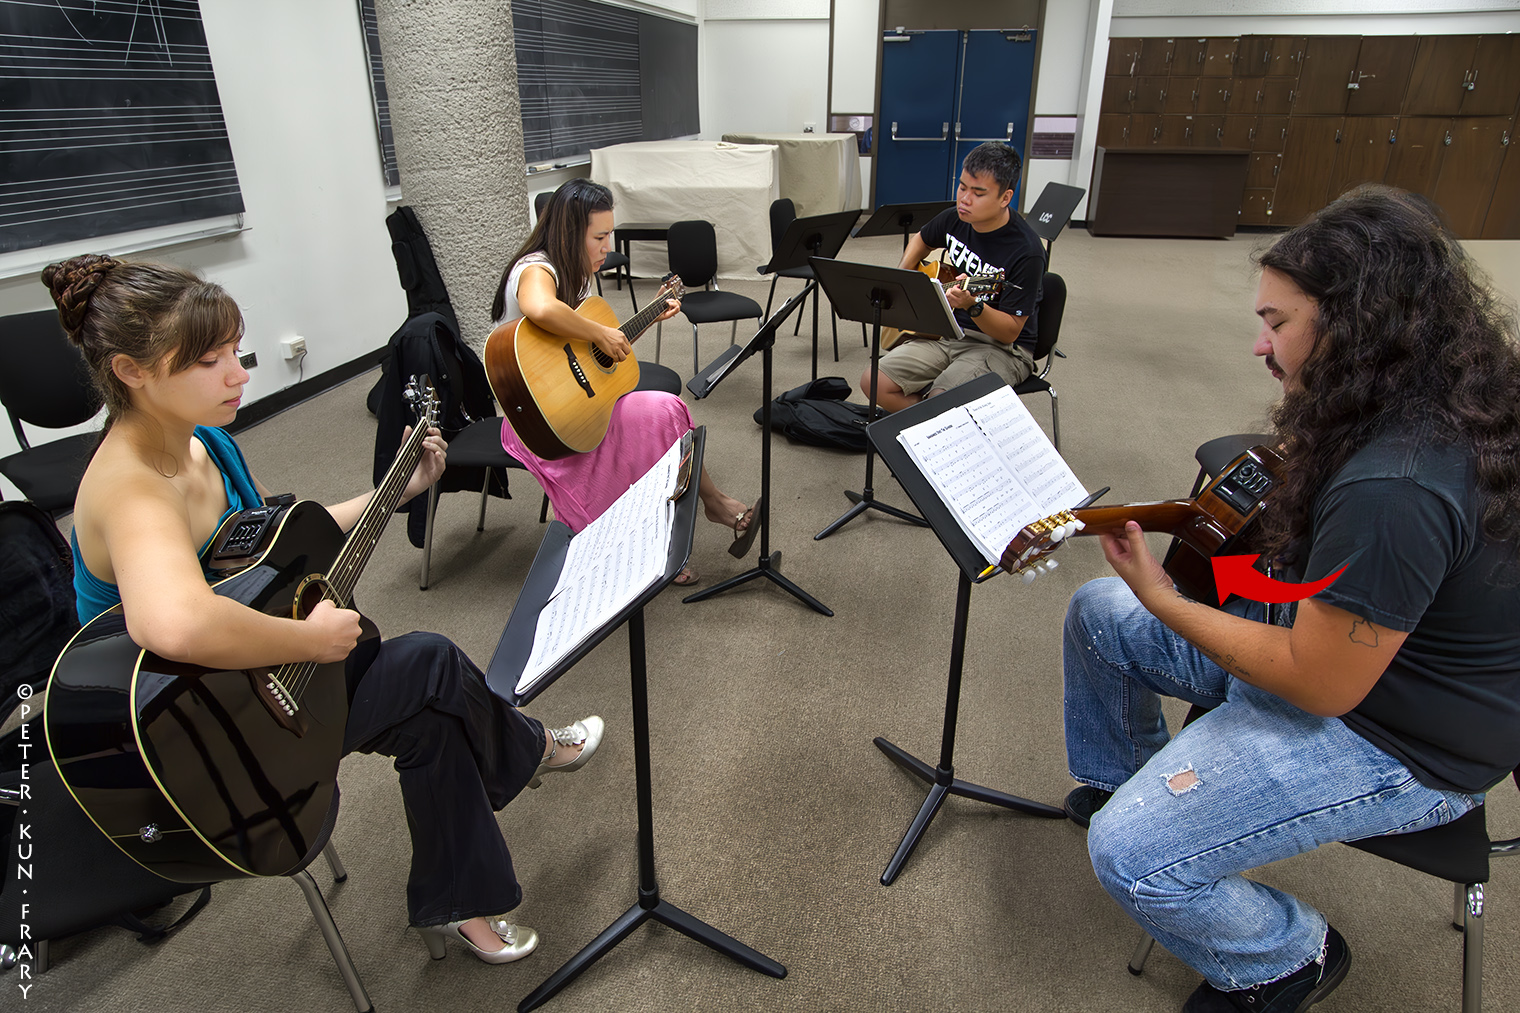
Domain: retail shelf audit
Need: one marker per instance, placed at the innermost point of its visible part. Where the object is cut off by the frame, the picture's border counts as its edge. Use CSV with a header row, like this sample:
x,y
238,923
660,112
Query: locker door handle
x,y
1392,137
1448,138
943,136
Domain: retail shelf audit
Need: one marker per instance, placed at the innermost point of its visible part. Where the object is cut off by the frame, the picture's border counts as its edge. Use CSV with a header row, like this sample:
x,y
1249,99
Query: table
x,y
819,172
730,185
1166,191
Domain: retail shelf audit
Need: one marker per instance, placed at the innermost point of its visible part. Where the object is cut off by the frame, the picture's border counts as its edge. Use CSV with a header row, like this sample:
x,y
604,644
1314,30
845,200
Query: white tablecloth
x,y
819,172
730,185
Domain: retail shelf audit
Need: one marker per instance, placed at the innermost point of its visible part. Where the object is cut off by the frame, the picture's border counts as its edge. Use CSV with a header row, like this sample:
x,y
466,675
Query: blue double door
x,y
942,94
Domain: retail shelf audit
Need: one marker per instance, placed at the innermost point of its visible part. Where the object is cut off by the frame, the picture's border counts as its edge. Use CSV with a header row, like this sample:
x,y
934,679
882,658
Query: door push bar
x,y
943,136
1005,138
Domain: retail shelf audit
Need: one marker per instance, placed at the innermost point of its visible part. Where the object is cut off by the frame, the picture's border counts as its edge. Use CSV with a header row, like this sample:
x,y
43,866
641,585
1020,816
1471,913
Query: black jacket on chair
x,y
429,344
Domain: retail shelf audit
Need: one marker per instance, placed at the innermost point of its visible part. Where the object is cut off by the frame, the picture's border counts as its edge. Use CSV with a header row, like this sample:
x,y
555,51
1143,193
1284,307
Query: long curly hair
x,y
155,314
561,235
1407,329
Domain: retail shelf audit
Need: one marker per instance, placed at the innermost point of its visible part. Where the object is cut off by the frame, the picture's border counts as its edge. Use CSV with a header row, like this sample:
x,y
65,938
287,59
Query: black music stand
x,y
814,236
1052,211
906,300
972,565
701,385
890,219
501,676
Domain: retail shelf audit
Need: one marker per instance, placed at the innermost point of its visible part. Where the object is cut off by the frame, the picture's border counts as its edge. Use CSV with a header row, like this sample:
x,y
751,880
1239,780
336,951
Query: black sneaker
x,y
1083,801
1293,994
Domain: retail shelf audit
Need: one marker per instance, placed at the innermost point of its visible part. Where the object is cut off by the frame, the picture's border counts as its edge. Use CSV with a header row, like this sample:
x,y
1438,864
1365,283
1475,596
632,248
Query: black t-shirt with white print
x,y
1014,249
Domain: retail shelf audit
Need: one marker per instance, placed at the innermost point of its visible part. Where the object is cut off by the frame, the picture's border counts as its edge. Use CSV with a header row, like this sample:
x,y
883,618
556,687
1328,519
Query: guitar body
x,y
983,286
196,773
557,392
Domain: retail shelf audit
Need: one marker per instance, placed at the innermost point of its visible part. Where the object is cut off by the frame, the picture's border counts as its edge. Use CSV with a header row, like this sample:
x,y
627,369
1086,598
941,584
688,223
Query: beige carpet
x,y
774,813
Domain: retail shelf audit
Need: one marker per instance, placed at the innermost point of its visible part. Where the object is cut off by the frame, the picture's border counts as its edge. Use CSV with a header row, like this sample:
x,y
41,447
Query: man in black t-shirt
x,y
1390,699
980,235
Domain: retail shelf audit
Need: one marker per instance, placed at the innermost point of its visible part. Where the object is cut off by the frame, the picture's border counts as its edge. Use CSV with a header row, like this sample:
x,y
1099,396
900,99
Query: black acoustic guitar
x,y
202,775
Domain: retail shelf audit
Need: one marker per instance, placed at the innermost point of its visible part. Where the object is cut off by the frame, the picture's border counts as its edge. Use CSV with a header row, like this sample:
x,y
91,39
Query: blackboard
x,y
591,74
109,121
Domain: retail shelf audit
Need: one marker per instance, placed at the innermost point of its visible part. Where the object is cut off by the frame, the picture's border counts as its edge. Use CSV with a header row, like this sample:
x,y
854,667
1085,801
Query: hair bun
x,y
73,282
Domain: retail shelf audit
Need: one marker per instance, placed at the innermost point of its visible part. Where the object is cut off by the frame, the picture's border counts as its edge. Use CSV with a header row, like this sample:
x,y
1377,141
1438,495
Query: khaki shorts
x,y
919,364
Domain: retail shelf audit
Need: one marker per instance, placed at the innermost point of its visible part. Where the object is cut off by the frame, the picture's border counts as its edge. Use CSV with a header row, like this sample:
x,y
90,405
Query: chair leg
x,y
334,863
427,538
485,494
1459,900
1141,954
598,278
865,337
658,330
770,296
694,364
329,928
834,322
1055,420
631,294
543,510
1472,951
43,959
733,334
802,312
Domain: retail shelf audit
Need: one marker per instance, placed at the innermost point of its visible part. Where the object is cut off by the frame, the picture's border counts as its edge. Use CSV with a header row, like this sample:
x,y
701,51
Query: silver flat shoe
x,y
517,940
586,733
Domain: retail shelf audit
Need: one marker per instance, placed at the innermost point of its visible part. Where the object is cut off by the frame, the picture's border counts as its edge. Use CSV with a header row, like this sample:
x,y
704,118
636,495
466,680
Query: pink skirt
x,y
643,426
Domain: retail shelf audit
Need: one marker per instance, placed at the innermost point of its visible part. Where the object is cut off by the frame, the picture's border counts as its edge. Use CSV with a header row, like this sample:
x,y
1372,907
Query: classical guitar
x,y
199,774
1219,521
982,286
559,392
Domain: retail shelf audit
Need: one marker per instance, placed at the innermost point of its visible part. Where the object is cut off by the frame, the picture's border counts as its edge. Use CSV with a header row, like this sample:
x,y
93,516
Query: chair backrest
x,y
693,249
44,380
1048,317
541,201
783,213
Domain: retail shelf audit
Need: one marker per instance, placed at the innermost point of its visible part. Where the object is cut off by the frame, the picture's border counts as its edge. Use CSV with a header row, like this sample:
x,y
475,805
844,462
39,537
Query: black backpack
x,y
36,597
818,414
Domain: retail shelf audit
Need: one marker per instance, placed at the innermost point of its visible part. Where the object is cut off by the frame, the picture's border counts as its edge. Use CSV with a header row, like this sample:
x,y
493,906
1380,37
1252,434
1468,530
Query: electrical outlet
x,y
293,347
248,360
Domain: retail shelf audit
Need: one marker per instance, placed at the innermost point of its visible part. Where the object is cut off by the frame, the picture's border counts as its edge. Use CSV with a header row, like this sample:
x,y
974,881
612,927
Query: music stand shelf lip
x,y
516,642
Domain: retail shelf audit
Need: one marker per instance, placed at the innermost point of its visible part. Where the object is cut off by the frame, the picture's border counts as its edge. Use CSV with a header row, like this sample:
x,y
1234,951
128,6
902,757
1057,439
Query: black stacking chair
x,y
616,262
1048,319
1457,852
44,382
783,213
693,248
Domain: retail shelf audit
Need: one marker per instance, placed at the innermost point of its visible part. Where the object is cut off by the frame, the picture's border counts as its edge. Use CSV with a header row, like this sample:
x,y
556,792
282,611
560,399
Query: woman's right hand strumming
x,y
613,342
335,631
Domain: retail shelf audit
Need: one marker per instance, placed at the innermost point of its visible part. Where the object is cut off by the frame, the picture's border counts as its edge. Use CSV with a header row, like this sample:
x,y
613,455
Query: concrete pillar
x,y
451,71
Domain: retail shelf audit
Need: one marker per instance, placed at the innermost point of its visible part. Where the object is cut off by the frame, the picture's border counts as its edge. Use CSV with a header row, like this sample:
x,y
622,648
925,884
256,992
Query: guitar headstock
x,y
985,286
1028,554
419,393
671,287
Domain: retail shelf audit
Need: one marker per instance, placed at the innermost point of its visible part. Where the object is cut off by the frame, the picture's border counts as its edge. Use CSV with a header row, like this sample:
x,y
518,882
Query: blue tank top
x,y
92,596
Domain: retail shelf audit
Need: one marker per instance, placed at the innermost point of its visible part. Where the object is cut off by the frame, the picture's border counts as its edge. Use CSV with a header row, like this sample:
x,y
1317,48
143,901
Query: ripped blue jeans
x,y
1253,781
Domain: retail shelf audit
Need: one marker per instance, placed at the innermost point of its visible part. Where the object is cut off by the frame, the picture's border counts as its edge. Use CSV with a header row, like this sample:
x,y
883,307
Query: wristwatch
x,y
975,310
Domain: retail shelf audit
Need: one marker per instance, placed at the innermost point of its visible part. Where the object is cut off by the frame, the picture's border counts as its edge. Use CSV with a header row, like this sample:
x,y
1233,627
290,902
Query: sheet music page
x,y
949,310
993,466
612,561
1031,457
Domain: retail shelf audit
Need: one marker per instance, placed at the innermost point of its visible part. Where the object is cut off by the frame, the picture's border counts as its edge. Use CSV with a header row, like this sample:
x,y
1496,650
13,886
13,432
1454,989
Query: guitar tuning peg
x,y
1028,576
1079,525
1050,564
1058,533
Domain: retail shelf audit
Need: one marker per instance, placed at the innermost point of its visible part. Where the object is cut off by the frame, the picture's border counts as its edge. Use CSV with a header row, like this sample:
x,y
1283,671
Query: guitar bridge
x,y
577,372
278,701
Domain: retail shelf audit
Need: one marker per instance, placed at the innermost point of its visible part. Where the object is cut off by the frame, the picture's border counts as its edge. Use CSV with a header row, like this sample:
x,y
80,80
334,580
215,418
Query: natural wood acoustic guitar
x,y
557,392
982,286
1219,521
201,774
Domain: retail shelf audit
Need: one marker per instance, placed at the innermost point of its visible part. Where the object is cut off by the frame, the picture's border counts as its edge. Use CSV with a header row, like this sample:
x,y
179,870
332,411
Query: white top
x,y
510,309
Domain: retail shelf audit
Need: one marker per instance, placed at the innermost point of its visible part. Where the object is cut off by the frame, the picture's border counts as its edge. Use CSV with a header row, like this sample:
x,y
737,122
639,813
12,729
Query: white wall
x,y
764,75
316,261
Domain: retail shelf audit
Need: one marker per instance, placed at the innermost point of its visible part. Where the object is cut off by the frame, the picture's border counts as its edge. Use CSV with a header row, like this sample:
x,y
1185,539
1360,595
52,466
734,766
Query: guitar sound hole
x,y
602,359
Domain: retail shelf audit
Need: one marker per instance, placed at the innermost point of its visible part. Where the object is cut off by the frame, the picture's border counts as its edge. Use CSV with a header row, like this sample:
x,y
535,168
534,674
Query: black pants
x,y
462,754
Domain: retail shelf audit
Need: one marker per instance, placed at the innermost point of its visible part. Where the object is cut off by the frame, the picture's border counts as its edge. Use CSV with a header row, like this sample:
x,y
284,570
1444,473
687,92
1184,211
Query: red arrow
x,y
1236,575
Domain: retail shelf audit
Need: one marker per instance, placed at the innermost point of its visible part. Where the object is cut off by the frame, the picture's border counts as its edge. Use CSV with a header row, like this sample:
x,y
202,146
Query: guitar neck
x,y
641,321
365,534
1166,517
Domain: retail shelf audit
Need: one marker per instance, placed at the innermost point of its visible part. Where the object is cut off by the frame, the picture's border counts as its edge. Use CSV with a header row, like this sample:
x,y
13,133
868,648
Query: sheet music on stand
x,y
612,561
994,468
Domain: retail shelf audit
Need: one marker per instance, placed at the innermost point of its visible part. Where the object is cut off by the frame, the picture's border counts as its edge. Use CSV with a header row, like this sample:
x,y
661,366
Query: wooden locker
x,y
1307,162
1214,94
1113,130
1363,153
1276,96
1418,148
1256,207
1208,131
1144,130
1503,221
1123,55
1182,94
1155,58
1118,94
1271,133
1262,175
1438,80
1382,75
1254,57
1219,58
1329,63
1239,132
1150,94
1494,82
1465,184
1287,56
1188,56
1176,132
